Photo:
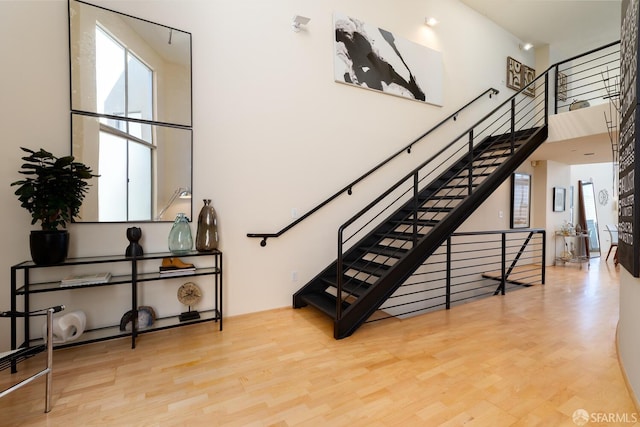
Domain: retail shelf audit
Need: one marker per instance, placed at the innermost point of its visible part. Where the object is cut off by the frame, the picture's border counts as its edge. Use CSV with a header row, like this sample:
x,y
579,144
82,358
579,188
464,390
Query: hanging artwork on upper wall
x,y
562,87
519,76
514,74
528,76
370,57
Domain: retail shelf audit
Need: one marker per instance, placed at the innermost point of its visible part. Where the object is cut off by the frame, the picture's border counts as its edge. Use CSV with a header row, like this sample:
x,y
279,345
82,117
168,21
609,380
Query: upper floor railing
x,y
588,79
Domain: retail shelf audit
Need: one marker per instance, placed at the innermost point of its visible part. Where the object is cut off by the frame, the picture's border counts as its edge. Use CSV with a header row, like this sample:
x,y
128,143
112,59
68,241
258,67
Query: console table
x,y
140,269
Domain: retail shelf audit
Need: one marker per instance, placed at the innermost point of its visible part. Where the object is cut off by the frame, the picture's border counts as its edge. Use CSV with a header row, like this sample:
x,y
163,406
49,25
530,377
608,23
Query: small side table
x,y
573,248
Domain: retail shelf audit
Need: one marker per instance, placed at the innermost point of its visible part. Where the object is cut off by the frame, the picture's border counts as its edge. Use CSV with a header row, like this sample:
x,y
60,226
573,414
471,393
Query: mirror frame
x,y
186,125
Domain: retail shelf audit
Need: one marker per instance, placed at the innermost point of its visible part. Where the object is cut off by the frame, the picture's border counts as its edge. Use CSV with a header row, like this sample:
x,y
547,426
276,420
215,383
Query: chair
x,y
613,233
11,358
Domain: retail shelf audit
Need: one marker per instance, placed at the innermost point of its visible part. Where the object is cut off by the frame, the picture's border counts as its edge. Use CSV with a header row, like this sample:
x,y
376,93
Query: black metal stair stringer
x,y
360,297
356,314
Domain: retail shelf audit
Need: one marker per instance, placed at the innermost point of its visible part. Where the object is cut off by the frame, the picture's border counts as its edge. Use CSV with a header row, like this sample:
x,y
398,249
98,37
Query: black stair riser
x,y
349,285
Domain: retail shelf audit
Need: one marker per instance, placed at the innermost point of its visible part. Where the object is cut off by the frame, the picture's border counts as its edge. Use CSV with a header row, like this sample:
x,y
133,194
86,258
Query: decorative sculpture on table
x,y
133,235
67,327
189,294
146,318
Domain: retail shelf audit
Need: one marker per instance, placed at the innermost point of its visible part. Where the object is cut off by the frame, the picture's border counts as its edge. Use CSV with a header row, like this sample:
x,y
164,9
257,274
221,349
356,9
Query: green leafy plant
x,y
53,189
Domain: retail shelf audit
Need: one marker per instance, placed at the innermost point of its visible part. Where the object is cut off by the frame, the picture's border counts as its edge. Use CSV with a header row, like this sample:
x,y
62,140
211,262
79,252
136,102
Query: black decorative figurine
x,y
134,248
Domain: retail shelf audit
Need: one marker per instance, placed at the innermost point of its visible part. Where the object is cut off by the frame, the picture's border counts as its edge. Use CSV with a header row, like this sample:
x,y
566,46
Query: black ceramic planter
x,y
49,247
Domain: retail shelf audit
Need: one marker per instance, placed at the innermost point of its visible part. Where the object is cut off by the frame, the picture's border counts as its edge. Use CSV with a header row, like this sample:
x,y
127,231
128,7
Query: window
x,y
124,89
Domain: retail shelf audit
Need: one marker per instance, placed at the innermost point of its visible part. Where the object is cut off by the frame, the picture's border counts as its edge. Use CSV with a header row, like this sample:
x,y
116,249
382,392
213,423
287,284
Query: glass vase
x,y
207,233
180,240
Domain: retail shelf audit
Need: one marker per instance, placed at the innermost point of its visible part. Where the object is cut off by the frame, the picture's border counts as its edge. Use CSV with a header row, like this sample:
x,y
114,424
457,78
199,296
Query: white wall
x,y
272,131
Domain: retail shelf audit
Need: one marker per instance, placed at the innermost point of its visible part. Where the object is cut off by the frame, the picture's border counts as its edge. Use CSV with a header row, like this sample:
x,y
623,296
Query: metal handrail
x,y
349,187
502,123
517,115
573,58
438,154
586,85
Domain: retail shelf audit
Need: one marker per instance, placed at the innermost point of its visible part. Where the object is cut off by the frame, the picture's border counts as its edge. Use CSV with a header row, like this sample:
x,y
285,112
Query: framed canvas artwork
x,y
373,58
562,87
514,74
528,75
559,199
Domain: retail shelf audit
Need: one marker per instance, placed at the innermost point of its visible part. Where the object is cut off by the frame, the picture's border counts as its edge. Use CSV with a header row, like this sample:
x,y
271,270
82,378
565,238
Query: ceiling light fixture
x,y
431,21
298,21
526,46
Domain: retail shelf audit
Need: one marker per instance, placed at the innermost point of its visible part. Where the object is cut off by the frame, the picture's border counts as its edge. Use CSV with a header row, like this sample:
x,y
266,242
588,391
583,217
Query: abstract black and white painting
x,y
373,58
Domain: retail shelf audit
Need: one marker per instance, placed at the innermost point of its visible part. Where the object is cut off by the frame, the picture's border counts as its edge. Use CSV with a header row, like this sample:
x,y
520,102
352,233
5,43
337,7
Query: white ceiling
x,y
577,151
569,26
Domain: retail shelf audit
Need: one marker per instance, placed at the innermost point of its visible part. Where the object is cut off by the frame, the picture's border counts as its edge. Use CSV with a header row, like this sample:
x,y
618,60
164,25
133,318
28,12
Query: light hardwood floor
x,y
530,358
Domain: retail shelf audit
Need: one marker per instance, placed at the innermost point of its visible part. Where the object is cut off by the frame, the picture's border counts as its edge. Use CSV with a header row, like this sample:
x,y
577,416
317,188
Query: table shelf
x,y
141,272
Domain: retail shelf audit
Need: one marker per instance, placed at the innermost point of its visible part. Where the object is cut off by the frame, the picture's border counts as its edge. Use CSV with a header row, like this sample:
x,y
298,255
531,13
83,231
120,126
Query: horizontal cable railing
x,y
520,115
469,266
348,189
525,112
589,79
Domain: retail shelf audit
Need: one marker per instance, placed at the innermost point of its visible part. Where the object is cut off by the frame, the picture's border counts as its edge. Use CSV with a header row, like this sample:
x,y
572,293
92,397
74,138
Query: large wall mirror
x,y
588,216
131,114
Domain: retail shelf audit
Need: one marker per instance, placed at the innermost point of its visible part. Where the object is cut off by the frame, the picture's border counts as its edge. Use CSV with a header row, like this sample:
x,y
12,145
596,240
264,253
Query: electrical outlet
x,y
500,214
294,276
294,213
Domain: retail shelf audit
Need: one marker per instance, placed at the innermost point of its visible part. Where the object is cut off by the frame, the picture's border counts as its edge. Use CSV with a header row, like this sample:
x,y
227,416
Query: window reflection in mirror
x,y
132,171
165,51
588,216
131,114
124,84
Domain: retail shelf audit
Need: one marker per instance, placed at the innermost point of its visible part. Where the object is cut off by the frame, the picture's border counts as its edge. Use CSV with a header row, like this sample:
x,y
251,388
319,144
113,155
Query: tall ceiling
x,y
569,26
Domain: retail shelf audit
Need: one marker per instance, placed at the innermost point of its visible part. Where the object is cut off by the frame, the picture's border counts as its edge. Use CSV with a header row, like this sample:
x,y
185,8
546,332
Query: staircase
x,y
354,286
405,225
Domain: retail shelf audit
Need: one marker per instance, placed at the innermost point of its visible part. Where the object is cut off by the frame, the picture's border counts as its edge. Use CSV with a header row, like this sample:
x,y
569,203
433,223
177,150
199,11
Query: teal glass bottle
x,y
180,240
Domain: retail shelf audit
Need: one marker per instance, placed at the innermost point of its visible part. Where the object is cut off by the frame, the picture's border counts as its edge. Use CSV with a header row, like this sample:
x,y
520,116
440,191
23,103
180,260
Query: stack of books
x,y
85,279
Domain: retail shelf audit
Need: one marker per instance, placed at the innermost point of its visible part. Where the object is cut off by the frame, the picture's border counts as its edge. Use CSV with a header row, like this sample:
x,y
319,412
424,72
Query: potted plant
x,y
53,190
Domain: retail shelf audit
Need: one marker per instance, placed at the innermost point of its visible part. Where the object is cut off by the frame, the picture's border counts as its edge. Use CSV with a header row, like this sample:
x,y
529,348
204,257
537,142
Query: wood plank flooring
x,y
530,358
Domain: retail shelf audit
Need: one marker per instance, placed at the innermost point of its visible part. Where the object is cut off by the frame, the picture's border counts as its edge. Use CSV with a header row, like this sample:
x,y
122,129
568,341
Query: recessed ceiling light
x,y
526,46
431,21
